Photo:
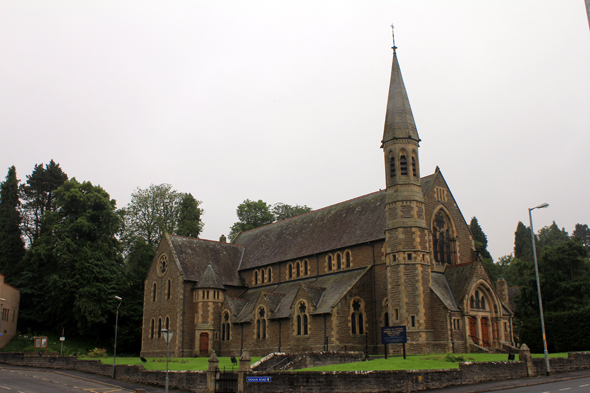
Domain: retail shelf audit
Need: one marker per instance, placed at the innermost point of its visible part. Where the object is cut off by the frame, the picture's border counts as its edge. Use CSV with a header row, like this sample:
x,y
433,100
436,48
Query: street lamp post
x,y
167,337
541,206
120,299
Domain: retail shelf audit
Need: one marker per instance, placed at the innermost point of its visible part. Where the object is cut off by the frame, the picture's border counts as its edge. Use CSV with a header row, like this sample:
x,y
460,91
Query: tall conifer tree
x,y
12,246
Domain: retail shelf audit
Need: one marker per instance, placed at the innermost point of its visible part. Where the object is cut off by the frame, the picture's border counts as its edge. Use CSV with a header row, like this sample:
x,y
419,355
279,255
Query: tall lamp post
x,y
541,206
120,299
167,337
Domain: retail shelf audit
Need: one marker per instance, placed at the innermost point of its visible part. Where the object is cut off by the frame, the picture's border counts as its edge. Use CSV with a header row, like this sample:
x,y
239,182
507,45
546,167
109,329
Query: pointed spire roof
x,y
399,121
210,279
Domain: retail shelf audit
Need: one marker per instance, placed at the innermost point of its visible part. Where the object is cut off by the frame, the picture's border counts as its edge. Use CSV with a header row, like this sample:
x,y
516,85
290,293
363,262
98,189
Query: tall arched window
x,y
262,276
302,319
329,263
261,323
290,269
357,318
255,277
154,287
167,324
168,289
225,332
297,269
269,271
414,171
338,261
403,165
159,327
348,258
392,166
305,267
444,242
152,327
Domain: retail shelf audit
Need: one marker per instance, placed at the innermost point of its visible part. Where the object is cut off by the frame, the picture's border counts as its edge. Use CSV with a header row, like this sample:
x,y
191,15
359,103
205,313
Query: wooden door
x,y
485,337
204,344
473,330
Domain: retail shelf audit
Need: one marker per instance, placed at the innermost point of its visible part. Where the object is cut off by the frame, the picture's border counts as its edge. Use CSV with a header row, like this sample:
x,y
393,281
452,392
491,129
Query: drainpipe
x,y
241,339
279,336
451,331
183,315
325,333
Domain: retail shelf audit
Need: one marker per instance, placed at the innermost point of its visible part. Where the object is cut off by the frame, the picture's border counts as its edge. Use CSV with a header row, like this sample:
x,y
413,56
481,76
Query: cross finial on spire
x,y
393,39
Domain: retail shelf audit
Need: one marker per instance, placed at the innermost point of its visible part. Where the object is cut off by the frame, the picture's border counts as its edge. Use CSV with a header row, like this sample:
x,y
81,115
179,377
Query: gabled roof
x,y
327,290
209,279
195,255
442,290
399,120
457,276
348,223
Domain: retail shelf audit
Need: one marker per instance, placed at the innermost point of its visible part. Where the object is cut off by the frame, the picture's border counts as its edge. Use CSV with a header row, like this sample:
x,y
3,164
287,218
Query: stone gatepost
x,y
525,356
212,371
243,371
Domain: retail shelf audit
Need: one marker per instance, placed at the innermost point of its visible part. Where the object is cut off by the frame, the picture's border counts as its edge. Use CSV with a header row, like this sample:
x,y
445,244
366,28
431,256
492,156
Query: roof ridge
x,y
205,240
459,265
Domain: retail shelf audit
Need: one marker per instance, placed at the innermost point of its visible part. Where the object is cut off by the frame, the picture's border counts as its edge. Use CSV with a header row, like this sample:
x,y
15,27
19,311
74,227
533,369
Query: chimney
x,y
223,239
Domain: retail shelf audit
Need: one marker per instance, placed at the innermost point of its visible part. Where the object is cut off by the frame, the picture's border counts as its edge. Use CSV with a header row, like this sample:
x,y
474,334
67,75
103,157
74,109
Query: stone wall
x,y
324,382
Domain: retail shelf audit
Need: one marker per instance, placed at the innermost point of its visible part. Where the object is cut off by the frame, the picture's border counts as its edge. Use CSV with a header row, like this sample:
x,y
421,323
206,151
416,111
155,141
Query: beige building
x,y
332,278
9,302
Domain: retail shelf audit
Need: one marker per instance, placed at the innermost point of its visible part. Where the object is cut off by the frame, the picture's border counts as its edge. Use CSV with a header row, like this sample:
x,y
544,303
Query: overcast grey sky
x,y
284,101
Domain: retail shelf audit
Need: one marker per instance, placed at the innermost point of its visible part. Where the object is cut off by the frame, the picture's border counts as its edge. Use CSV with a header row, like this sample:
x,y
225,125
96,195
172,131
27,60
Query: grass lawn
x,y
413,362
200,363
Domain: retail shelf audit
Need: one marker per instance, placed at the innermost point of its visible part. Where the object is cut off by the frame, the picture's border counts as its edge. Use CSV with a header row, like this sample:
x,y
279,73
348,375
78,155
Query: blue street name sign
x,y
394,335
257,379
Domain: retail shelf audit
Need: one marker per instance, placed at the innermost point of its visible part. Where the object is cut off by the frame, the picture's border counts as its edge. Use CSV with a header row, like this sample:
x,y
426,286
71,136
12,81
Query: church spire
x,y
399,121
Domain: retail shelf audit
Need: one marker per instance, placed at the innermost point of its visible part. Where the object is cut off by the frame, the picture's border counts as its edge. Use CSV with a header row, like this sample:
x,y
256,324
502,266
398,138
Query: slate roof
x,y
345,224
457,276
195,255
326,290
209,279
441,288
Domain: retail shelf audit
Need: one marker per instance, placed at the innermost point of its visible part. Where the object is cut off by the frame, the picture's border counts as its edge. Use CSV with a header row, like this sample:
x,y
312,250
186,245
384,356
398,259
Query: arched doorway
x,y
204,344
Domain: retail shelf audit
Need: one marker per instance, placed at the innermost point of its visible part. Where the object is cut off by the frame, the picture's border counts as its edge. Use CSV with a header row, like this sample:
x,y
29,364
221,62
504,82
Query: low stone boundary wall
x,y
321,382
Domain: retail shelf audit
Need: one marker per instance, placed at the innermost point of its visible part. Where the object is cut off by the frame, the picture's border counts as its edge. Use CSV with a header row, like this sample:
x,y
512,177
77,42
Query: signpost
x,y
394,335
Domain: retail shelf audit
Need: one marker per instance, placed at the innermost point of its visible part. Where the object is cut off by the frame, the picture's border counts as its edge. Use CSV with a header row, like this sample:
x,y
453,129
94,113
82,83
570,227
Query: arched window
x,y
386,319
269,274
159,327
152,327
225,330
444,241
338,261
329,263
168,292
255,277
261,323
154,287
348,258
357,318
302,319
290,270
483,303
297,269
414,171
305,267
392,166
262,276
403,165
167,324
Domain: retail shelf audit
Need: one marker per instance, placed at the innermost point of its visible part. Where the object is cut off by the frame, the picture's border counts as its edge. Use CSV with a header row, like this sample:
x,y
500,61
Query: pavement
x,y
512,383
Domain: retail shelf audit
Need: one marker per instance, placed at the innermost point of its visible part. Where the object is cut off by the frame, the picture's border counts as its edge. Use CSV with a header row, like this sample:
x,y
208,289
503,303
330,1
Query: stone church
x,y
331,278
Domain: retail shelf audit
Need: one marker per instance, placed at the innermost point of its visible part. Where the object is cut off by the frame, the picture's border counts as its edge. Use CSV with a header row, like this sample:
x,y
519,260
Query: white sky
x,y
284,101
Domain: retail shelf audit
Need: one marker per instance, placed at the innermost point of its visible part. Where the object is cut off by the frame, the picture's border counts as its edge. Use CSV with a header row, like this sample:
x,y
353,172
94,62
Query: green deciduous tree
x,y
79,258
582,232
189,217
523,248
551,236
37,195
283,211
12,247
251,214
481,245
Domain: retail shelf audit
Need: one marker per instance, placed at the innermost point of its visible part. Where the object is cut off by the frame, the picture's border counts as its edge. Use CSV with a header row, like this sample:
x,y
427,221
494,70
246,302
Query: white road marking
x,y
583,386
4,387
564,389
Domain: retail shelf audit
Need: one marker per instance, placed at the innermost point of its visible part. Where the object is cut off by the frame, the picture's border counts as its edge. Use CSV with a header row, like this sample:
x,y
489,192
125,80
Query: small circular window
x,y
162,265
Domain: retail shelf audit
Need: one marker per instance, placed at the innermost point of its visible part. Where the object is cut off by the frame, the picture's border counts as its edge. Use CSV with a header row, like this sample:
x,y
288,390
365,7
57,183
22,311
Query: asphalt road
x,y
35,380
581,385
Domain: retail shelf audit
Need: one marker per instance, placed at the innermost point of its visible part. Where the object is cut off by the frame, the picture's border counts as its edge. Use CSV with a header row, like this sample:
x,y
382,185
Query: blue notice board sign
x,y
394,335
257,379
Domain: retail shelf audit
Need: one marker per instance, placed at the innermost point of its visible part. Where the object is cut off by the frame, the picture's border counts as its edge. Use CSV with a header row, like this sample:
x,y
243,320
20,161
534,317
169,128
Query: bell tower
x,y
407,251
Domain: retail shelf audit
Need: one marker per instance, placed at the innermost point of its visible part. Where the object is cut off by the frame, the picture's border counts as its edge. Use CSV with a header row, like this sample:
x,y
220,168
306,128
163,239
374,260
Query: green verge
x,y
413,362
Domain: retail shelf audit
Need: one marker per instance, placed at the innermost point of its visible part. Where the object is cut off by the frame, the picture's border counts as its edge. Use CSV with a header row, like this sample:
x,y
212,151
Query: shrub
x,y
97,353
